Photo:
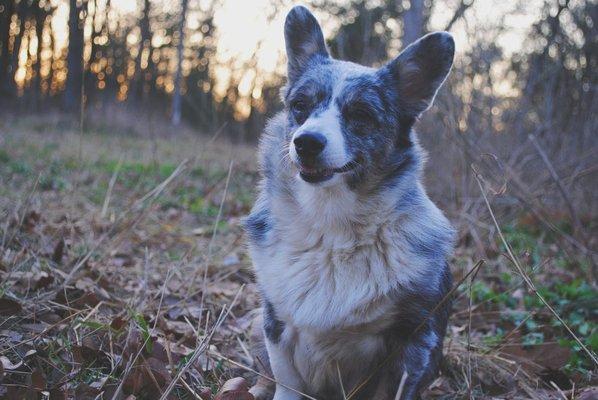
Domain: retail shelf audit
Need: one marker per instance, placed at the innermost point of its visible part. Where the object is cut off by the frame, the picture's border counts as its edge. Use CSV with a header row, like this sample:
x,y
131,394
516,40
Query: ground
x,y
123,274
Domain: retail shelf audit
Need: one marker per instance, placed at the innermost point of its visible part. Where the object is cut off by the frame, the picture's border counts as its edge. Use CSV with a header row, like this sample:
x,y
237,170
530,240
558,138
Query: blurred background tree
x,y
150,55
523,68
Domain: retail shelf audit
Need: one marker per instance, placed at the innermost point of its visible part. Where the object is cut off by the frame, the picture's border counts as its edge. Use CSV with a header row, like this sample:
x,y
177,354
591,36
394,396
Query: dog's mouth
x,y
317,175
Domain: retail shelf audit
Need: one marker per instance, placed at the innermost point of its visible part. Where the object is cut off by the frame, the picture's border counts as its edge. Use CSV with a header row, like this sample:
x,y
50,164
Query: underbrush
x,y
123,272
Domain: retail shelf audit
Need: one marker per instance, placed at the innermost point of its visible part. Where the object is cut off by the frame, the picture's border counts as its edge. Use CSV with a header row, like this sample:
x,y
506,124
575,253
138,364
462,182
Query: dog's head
x,y
350,123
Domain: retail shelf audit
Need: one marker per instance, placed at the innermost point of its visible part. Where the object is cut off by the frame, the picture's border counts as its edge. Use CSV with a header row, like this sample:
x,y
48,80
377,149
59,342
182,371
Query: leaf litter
x,y
96,299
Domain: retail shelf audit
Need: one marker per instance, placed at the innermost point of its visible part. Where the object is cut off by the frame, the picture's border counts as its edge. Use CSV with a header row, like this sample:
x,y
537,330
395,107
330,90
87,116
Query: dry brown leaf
x,y
550,356
9,307
38,380
58,394
118,323
205,393
134,382
84,354
77,298
123,260
158,369
58,252
234,389
42,280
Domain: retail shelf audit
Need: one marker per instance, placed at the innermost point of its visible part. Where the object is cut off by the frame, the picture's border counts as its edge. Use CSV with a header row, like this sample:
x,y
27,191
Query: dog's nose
x,y
309,144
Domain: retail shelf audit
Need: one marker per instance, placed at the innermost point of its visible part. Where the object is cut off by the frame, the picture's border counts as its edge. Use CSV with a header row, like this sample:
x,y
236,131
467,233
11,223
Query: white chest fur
x,y
323,268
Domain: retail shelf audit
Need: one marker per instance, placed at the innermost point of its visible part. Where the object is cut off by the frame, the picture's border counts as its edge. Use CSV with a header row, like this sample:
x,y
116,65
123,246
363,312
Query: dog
x,y
350,254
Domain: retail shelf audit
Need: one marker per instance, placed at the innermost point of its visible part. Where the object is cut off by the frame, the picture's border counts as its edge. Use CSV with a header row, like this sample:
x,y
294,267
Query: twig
x,y
557,180
526,278
153,194
110,187
340,380
401,386
202,346
210,245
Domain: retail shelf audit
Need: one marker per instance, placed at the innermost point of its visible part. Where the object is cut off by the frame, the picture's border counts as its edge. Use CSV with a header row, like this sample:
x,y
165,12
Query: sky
x,y
244,25
246,28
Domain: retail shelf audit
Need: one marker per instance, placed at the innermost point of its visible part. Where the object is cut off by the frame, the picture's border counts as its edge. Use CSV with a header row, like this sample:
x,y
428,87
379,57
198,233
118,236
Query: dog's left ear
x,y
304,40
419,71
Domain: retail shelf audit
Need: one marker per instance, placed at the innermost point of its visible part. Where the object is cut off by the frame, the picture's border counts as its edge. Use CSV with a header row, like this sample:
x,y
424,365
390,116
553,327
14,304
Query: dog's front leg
x,y
284,371
279,337
420,361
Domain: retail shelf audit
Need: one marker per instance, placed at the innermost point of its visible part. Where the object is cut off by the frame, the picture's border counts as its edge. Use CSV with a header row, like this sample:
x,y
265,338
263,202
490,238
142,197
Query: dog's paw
x,y
263,389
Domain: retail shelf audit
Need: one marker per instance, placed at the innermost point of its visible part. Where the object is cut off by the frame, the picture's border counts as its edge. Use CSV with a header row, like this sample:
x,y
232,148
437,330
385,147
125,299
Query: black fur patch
x,y
273,327
257,225
432,245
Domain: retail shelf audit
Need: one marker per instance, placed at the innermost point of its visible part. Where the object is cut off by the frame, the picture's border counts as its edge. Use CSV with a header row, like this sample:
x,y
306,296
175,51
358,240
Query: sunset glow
x,y
249,39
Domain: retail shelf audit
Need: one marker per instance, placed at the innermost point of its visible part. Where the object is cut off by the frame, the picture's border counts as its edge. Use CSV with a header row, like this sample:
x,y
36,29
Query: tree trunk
x,y
145,42
413,22
176,100
74,79
40,21
8,9
22,13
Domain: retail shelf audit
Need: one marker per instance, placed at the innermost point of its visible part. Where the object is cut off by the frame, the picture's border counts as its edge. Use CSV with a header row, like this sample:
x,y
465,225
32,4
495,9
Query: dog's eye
x,y
361,114
300,110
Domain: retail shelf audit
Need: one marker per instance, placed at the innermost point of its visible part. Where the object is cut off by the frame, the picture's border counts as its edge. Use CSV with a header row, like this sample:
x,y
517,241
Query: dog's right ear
x,y
304,41
419,71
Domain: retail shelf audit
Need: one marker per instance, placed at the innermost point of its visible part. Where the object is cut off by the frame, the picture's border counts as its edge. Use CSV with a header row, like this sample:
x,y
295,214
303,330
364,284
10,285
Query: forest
x,y
128,134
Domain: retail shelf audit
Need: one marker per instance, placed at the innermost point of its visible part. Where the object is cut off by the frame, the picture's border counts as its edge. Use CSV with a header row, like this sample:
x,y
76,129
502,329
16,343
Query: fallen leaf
x,y
158,369
550,356
58,394
234,389
85,284
38,380
43,280
118,323
77,299
123,260
134,382
9,307
84,354
35,328
8,365
31,220
205,393
58,252
84,391
231,259
12,335
200,231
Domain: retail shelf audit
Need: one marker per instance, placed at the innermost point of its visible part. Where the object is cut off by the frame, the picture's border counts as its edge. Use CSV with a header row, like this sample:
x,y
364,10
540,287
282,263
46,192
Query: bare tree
x,y
41,14
22,15
176,100
144,43
413,22
7,10
74,80
464,6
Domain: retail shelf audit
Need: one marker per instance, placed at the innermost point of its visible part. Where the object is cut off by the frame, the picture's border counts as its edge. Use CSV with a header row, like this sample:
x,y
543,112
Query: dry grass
x,y
123,272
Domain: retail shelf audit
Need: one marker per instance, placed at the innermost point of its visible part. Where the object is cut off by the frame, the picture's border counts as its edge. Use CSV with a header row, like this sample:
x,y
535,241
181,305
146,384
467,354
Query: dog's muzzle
x,y
317,175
